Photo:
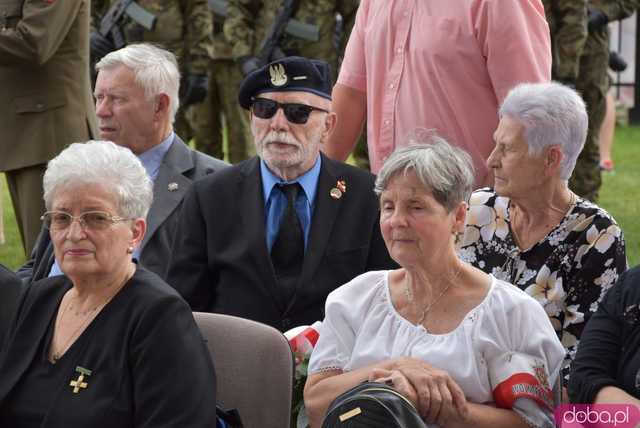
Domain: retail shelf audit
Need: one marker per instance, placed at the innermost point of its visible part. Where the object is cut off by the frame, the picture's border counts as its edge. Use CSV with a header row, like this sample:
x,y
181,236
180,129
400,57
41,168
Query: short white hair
x,y
551,114
155,70
105,163
442,169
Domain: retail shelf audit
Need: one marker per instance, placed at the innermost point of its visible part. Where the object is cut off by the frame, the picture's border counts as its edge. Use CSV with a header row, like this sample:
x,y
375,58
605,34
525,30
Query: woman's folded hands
x,y
437,397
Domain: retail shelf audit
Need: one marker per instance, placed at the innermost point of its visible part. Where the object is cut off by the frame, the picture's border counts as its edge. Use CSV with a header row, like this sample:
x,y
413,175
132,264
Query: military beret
x,y
292,73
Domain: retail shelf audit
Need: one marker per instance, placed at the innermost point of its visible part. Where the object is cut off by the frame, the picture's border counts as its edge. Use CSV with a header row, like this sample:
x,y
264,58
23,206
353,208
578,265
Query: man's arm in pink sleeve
x,y
349,94
516,43
350,106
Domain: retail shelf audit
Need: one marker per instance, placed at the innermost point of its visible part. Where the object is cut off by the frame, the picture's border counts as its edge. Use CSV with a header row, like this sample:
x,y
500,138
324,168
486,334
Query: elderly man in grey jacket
x,y
136,101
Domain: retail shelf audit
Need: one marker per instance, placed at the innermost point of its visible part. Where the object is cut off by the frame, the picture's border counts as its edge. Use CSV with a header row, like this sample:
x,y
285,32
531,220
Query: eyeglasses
x,y
294,112
91,220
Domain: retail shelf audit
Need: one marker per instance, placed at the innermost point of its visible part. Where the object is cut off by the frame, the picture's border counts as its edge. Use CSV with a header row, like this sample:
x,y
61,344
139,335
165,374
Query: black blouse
x,y
609,352
27,405
10,290
145,362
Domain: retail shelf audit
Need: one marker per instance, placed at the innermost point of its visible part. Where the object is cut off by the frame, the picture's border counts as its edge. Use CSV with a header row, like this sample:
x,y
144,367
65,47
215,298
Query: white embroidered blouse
x,y
362,327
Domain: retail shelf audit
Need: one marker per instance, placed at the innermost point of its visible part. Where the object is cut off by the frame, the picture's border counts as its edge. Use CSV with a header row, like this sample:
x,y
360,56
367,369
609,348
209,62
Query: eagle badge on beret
x,y
278,76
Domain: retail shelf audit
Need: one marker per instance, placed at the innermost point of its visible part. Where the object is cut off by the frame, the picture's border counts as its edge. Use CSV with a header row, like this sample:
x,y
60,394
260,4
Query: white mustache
x,y
280,137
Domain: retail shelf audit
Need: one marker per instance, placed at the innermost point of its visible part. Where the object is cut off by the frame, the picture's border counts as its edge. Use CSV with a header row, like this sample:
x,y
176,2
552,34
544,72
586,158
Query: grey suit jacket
x,y
180,167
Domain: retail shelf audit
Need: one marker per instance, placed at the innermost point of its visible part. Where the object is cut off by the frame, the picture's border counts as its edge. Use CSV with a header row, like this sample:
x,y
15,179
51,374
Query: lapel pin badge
x,y
80,383
172,187
339,190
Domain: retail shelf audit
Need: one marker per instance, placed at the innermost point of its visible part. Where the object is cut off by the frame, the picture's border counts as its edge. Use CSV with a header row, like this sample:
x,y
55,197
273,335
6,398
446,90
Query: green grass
x,y
11,252
620,195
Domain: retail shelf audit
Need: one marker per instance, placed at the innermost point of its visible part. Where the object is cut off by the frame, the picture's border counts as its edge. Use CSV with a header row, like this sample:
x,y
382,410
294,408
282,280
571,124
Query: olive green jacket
x,y
46,100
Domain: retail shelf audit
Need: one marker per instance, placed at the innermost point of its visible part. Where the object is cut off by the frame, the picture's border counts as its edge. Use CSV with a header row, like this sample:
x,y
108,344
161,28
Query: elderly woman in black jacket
x,y
10,288
107,344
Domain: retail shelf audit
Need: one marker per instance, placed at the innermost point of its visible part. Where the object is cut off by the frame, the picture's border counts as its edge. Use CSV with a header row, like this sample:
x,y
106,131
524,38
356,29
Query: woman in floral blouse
x,y
531,229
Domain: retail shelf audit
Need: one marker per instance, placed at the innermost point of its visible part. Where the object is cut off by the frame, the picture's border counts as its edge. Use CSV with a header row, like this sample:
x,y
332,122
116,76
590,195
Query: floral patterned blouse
x,y
568,271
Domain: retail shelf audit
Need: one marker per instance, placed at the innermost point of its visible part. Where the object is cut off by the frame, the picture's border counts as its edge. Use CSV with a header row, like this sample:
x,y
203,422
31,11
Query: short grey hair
x,y
551,114
446,171
106,163
155,69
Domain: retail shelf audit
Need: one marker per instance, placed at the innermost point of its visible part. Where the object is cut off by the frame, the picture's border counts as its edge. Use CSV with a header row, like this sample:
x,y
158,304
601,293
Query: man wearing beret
x,y
269,238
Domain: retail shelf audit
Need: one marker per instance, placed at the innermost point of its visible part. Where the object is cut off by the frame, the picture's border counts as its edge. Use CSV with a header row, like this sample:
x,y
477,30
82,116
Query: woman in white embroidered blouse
x,y
432,327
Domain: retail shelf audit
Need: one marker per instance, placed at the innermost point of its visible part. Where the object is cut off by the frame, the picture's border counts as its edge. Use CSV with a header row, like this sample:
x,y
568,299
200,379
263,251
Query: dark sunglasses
x,y
295,113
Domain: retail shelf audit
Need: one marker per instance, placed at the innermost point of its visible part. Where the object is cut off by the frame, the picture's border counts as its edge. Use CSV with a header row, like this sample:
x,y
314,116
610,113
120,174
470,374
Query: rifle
x,y
270,47
294,27
109,23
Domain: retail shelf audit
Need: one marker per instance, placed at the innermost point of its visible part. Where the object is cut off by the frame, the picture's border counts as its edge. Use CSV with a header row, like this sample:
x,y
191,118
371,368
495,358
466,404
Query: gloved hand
x,y
597,20
248,64
193,89
616,62
100,46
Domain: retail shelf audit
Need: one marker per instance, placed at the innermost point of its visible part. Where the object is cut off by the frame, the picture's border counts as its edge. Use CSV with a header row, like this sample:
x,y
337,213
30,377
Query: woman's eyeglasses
x,y
294,112
92,220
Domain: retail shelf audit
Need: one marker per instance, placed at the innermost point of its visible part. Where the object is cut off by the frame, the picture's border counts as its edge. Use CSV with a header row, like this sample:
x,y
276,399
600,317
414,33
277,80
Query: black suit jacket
x,y
150,365
221,262
10,289
180,167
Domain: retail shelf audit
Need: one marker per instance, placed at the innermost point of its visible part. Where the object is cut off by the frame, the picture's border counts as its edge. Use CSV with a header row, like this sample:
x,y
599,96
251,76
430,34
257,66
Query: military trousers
x,y
221,111
25,187
593,84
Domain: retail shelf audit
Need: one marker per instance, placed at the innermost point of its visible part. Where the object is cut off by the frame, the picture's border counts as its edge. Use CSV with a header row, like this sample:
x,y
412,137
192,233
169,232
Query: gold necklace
x,y
86,318
55,355
510,263
514,212
427,308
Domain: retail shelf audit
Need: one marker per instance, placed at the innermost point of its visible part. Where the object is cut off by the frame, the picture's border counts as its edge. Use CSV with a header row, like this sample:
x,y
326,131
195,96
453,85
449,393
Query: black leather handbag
x,y
372,405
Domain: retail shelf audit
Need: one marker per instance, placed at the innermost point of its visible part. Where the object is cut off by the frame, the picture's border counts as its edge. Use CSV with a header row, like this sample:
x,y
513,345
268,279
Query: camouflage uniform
x,y
249,20
183,27
206,118
593,84
568,26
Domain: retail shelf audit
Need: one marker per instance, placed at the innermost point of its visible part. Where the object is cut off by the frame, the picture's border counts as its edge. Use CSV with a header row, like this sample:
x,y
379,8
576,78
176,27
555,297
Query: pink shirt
x,y
443,64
